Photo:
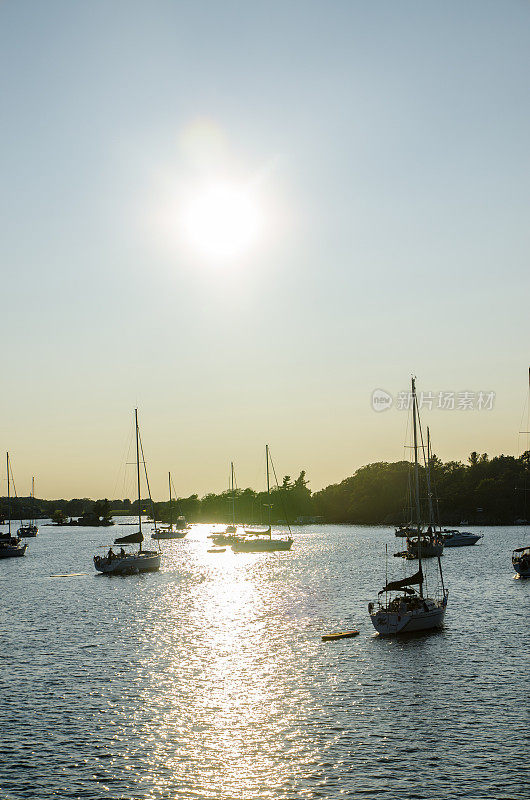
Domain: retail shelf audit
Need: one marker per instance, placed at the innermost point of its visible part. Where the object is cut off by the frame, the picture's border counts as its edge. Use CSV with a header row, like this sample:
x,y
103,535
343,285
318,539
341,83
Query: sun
x,y
222,221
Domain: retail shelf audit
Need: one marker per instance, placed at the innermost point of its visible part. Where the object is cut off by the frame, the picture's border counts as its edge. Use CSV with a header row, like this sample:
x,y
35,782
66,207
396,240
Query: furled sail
x,y
413,580
132,538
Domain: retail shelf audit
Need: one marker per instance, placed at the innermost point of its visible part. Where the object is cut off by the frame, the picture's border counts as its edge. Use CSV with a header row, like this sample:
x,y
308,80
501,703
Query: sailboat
x,y
428,539
449,537
10,546
404,607
262,541
31,529
171,531
127,563
521,555
229,535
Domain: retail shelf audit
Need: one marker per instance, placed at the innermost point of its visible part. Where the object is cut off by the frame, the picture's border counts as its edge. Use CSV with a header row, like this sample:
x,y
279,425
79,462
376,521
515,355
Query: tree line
x,y
482,491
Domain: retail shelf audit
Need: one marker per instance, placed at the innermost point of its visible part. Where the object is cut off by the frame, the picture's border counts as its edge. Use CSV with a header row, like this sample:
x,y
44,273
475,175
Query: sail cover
x,y
132,538
414,580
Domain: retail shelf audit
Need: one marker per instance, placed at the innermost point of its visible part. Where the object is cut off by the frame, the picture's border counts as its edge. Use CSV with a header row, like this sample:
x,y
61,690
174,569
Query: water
x,y
210,680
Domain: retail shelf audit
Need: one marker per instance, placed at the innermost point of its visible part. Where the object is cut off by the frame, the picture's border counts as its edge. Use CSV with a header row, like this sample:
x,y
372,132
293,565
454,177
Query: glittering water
x,y
210,680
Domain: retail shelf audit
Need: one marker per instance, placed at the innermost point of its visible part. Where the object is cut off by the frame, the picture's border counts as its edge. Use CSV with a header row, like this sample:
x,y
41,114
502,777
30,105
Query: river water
x,y
209,679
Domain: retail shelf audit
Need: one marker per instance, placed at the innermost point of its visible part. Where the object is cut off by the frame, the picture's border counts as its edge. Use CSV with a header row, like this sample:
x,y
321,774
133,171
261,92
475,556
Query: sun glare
x,y
222,221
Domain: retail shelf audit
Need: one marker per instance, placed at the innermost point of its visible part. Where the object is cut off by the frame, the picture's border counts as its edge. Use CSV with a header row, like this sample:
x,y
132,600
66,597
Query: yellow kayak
x,y
328,637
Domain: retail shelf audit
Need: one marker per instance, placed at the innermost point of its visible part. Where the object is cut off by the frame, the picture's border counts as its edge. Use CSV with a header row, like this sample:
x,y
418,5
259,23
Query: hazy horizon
x,y
244,219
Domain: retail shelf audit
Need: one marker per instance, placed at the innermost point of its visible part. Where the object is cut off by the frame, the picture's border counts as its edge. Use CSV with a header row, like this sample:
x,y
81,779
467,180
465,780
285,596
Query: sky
x,y
245,217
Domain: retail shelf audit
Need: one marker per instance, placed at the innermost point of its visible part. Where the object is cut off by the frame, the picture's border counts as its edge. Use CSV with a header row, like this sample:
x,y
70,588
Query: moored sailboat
x,y
177,530
262,541
31,529
10,546
405,608
429,540
229,535
126,562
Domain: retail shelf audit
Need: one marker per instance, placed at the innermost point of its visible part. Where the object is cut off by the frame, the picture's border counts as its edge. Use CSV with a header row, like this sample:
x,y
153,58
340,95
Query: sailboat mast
x,y
268,487
432,521
170,505
33,520
416,466
8,496
417,478
138,471
233,496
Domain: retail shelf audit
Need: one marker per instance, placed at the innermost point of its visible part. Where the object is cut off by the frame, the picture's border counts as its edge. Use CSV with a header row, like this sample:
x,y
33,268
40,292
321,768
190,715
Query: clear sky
x,y
243,217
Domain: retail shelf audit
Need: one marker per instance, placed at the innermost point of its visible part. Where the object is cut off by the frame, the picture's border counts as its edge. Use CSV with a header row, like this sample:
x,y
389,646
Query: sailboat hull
x,y
429,549
130,564
169,535
427,616
521,561
12,550
27,531
261,545
457,539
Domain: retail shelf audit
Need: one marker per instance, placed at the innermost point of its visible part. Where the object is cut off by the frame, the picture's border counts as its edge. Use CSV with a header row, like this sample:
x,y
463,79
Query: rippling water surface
x,y
209,679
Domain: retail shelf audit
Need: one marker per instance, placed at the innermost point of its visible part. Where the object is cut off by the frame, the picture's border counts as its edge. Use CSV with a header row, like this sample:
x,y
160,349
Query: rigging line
x,y
435,492
425,467
280,491
147,481
123,461
176,499
15,489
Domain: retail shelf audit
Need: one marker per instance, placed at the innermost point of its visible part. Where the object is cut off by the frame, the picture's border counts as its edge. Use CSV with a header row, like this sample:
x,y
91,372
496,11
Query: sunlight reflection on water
x,y
209,679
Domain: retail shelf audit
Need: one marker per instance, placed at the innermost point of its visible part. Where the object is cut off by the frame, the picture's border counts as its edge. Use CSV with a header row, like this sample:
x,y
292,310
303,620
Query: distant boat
x,y
521,561
426,538
31,529
127,563
404,608
229,535
10,546
171,531
262,542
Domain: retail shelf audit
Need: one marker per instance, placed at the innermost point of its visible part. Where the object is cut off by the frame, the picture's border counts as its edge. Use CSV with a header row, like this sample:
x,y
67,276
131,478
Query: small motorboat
x,y
521,561
457,538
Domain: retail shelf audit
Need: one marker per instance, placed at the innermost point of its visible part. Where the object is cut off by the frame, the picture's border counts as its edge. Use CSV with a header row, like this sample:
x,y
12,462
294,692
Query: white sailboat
x,y
10,546
127,562
401,606
177,530
262,541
